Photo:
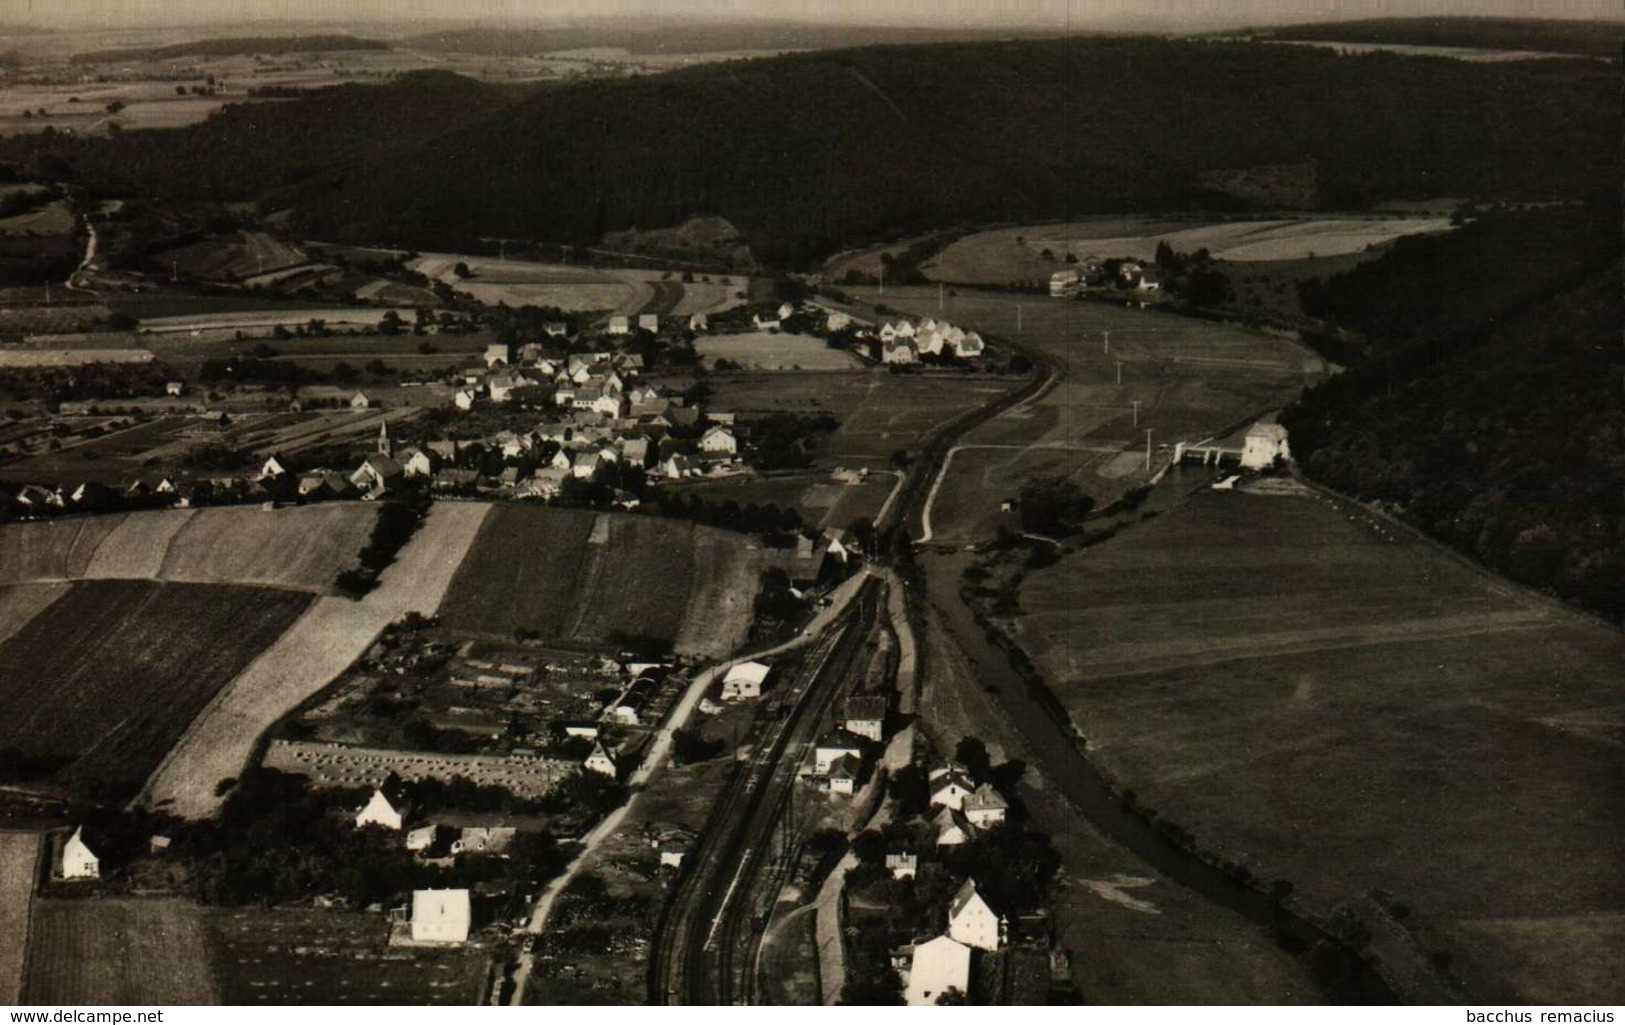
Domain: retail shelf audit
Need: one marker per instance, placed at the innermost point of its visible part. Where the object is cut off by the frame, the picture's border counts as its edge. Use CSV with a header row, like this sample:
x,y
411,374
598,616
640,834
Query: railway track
x,y
705,943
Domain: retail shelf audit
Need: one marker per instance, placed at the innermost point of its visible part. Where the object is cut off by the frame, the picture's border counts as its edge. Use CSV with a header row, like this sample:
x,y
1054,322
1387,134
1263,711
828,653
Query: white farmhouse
x,y
719,440
973,922
620,325
601,761
865,715
844,773
832,747
78,860
949,790
440,916
1263,444
939,965
744,681
985,807
379,811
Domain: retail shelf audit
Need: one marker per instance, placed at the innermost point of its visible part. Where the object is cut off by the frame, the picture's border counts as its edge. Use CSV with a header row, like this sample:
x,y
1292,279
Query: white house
x,y
938,966
483,840
360,401
440,916
1264,442
766,321
973,922
78,860
903,866
833,746
844,773
620,325
496,354
464,399
699,322
421,839
985,807
649,322
969,345
174,387
379,811
744,680
1063,283
719,439
865,715
501,386
786,311
950,789
272,469
929,341
837,321
601,761
377,471
422,463
953,828
898,350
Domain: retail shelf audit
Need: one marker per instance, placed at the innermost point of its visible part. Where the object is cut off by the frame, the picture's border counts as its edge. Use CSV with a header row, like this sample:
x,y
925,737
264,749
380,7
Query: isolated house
x,y
973,922
938,966
985,807
381,809
78,860
601,761
744,681
174,387
440,916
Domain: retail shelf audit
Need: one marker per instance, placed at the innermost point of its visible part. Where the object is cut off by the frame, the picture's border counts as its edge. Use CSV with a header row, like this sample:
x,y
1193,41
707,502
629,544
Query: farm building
x,y
985,807
899,351
938,966
865,715
973,922
949,790
601,762
440,916
649,322
832,747
483,840
766,321
1263,445
844,774
620,325
744,681
719,439
381,809
422,839
78,860
360,401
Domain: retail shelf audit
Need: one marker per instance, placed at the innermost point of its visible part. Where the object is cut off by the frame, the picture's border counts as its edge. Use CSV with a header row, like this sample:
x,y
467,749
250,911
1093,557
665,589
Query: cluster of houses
x,y
905,343
1064,284
941,967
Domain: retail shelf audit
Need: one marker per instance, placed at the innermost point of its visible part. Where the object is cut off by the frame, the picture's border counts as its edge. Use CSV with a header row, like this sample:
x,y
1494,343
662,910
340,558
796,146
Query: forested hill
x,y
1495,424
813,152
1543,35
809,153
686,35
232,46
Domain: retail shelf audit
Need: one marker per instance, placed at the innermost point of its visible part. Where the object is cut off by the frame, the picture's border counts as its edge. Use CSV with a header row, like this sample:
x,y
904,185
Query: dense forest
x,y
1489,412
231,47
813,152
1544,35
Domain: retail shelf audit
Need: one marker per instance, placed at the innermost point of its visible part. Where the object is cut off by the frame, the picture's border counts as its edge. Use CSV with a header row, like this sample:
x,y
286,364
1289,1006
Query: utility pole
x,y
1136,404
1148,450
1106,341
174,271
1119,371
882,277
941,296
1018,318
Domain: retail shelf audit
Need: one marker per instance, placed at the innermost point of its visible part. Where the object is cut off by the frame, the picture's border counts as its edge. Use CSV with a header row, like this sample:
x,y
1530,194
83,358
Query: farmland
x,y
760,350
18,855
129,952
575,577
300,549
1191,379
1329,700
309,656
819,499
334,957
20,603
580,289
100,687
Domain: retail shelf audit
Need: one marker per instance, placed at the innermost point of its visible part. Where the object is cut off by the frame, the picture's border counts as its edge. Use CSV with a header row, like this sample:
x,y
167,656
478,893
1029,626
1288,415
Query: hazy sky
x,y
1199,13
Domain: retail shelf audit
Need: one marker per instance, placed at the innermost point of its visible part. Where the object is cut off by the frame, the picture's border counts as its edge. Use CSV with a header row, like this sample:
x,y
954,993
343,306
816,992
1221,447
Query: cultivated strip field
x,y
20,603
119,952
18,855
540,570
51,549
1332,701
309,656
136,548
99,687
761,350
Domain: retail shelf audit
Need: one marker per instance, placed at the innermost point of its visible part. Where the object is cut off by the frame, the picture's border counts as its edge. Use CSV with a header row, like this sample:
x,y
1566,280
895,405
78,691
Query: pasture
x,y
1330,700
231,258
19,853
306,658
818,498
301,957
763,350
99,687
1190,380
119,952
581,289
572,577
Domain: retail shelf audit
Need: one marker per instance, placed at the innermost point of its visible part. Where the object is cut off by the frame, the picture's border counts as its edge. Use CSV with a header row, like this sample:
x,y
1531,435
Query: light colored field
x,y
1333,701
136,548
322,644
129,952
18,854
50,219
301,548
72,357
51,549
20,603
521,283
262,320
719,614
762,350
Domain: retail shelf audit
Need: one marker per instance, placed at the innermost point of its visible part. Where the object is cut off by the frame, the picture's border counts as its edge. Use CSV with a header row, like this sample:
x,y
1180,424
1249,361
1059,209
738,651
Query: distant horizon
x,y
1167,16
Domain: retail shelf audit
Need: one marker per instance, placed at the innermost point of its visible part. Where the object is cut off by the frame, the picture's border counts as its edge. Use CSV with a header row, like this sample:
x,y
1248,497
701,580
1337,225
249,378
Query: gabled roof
x,y
965,897
866,707
985,798
846,767
841,739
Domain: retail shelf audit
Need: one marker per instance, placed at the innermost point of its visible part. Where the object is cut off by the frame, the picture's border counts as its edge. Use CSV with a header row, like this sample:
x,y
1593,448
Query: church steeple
x,y
384,448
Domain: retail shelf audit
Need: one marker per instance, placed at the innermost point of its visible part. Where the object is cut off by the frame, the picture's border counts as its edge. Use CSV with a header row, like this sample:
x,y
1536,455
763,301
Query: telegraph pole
x,y
1018,318
1106,341
1136,404
941,297
1148,450
1119,371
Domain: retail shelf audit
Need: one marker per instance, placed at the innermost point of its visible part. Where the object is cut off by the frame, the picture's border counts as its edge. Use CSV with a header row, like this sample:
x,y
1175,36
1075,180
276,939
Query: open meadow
x,y
1324,697
582,289
287,956
574,577
307,657
119,952
762,350
819,499
19,854
1181,380
100,686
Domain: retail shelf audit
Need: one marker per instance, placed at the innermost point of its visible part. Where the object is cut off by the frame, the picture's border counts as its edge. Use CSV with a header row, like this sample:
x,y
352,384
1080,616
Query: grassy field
x,y
333,957
819,500
1331,701
20,603
574,577
129,952
101,686
137,547
762,350
51,549
18,855
1191,379
306,658
301,548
